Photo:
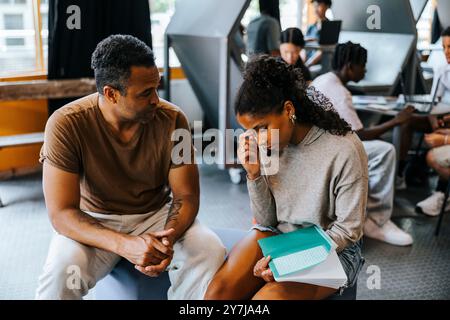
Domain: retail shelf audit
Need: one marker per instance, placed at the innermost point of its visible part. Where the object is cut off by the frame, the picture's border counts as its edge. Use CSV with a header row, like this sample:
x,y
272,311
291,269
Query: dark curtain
x,y
69,51
270,7
436,28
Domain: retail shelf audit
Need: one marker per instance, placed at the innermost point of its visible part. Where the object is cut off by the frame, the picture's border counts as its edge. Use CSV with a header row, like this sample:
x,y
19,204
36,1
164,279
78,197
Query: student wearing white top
x,y
350,65
443,77
441,81
433,122
439,156
439,159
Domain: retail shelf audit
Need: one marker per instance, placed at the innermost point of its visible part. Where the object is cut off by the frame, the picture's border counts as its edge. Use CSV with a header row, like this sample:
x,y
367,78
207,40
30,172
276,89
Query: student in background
x,y
263,33
443,73
433,122
291,50
322,180
350,65
313,32
438,158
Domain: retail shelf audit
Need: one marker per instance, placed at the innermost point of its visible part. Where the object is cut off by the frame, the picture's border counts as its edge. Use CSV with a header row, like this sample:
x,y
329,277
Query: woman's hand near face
x,y
248,154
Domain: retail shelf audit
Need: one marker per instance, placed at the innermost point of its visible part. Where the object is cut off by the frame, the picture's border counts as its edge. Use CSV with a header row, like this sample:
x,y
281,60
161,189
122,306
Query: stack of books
x,y
307,255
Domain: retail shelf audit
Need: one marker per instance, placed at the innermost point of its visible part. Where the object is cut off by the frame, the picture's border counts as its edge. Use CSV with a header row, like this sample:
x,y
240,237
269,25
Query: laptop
x,y
329,34
422,103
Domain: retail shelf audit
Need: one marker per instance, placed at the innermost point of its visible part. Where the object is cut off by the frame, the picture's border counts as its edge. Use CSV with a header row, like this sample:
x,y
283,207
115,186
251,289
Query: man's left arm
x,y
184,182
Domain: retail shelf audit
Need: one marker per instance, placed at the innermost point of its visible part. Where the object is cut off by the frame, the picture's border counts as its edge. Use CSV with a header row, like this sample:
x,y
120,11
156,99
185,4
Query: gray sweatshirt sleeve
x,y
350,210
262,202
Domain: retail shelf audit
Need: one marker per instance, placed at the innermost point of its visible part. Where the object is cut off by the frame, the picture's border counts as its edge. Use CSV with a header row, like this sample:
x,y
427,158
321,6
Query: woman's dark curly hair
x,y
269,82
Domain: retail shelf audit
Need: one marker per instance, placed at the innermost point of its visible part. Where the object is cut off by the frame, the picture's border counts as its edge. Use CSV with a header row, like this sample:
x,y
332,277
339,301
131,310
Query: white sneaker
x,y
388,233
432,205
400,183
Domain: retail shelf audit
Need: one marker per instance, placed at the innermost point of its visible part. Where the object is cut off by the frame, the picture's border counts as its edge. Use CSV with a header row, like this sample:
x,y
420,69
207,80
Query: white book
x,y
329,273
369,100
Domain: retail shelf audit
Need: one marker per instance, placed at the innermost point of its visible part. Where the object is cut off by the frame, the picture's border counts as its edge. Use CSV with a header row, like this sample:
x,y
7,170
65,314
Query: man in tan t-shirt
x,y
113,189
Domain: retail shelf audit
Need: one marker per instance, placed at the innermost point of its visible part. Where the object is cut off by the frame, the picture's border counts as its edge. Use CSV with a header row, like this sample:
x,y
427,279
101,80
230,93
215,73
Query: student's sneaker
x,y
388,233
400,183
432,205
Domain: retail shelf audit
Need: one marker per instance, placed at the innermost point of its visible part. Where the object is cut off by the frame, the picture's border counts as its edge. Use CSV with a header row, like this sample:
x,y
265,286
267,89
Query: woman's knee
x,y
292,291
222,287
235,279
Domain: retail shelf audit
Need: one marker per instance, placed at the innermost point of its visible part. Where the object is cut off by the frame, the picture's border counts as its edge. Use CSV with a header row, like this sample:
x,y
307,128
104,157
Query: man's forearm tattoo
x,y
174,211
85,218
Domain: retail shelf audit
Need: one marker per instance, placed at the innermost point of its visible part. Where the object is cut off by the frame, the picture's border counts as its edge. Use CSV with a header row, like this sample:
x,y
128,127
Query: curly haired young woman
x,y
322,180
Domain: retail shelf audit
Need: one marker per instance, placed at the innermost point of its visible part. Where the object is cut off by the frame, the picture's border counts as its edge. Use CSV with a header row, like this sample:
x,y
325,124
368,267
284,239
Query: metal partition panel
x,y
387,55
389,48
201,69
201,33
444,12
396,15
417,7
206,18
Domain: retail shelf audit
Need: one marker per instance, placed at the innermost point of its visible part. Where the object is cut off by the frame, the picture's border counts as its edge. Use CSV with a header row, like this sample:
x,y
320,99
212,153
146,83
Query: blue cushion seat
x,y
127,283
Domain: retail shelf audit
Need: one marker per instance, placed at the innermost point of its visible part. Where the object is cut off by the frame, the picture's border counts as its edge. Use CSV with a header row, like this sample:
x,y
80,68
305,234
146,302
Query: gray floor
x,y
418,272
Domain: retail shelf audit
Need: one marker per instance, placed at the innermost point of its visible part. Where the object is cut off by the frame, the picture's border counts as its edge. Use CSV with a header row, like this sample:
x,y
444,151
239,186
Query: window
x,y
21,37
15,41
161,12
424,26
44,31
251,13
289,12
13,21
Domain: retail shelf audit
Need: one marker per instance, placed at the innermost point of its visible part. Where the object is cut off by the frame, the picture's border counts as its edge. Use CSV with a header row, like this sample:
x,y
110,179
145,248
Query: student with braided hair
x,y
322,180
349,64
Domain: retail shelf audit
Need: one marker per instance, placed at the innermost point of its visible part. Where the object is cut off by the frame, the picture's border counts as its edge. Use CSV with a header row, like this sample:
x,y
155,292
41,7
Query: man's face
x,y
446,46
142,96
357,72
321,10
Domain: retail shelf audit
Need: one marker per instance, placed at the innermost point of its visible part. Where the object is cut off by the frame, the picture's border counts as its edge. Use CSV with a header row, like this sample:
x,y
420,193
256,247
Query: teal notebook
x,y
295,251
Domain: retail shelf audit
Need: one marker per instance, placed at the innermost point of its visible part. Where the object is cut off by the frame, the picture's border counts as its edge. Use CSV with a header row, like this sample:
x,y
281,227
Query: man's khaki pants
x,y
72,268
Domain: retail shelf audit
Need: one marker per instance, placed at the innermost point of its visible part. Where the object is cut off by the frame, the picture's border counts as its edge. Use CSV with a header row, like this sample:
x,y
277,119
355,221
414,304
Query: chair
x,y
441,214
20,140
126,283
